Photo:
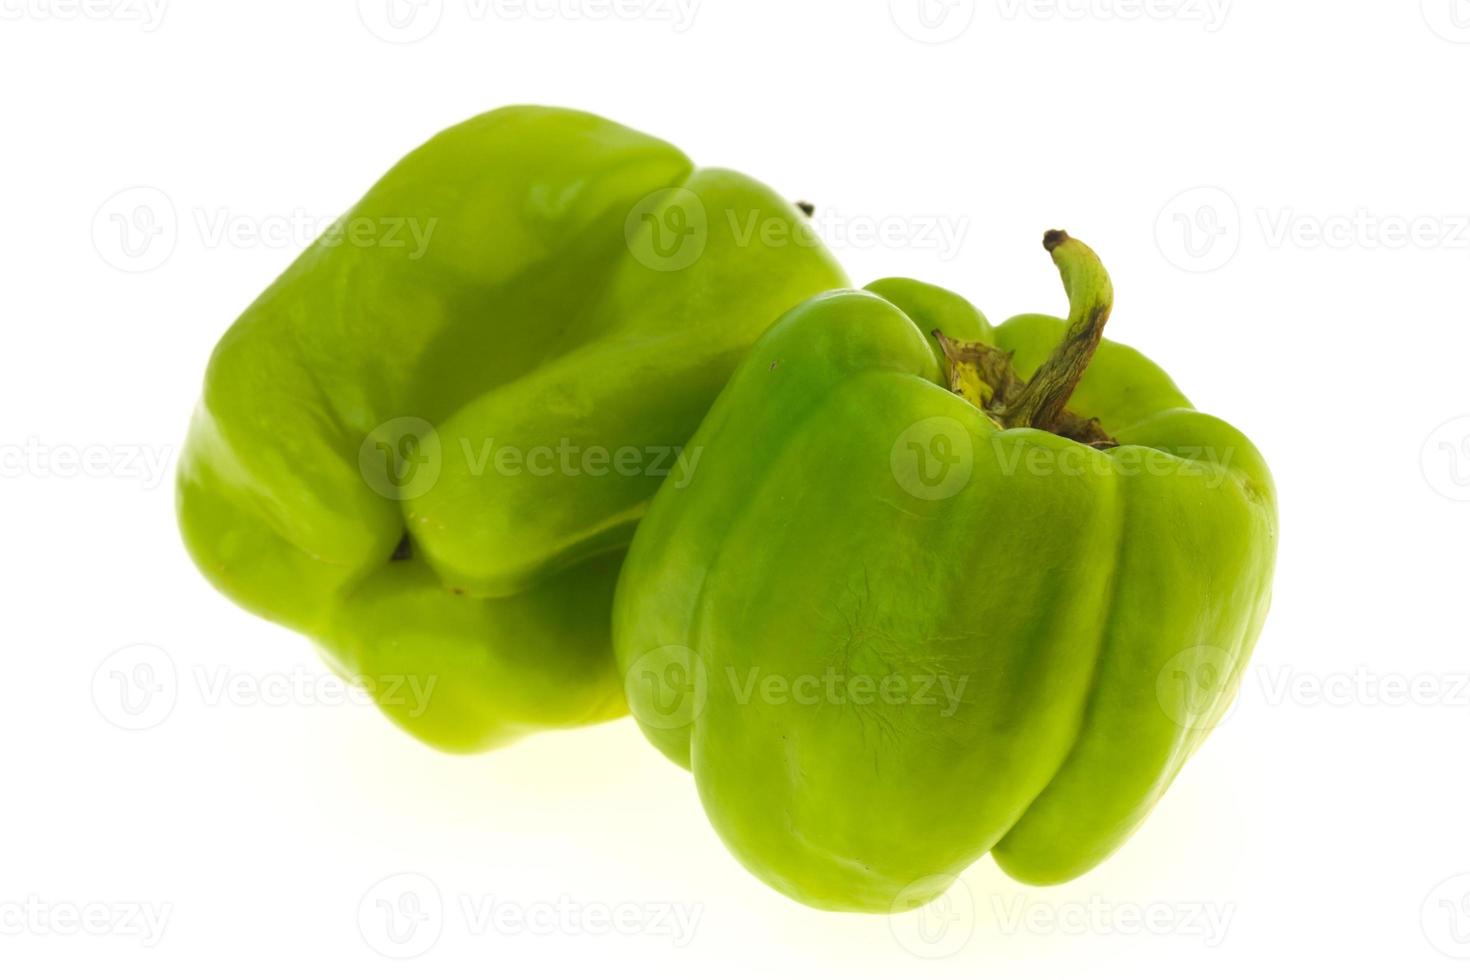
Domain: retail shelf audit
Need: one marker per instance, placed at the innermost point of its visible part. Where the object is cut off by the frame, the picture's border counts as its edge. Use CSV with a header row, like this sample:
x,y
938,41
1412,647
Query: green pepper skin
x,y
550,305
1057,589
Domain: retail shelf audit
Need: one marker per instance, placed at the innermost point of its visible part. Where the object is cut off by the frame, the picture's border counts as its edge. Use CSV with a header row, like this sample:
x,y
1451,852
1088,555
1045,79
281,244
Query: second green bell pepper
x,y
932,597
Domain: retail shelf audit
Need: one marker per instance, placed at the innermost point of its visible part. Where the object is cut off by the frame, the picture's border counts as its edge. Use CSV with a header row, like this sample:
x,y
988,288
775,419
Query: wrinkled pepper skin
x,y
580,284
1034,603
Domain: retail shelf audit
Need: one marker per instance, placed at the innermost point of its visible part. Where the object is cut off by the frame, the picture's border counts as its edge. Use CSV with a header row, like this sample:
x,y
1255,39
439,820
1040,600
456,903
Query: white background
x,y
1279,191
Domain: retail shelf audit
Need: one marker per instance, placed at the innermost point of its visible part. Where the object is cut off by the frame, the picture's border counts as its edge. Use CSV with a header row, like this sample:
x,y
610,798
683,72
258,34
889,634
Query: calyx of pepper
x,y
984,377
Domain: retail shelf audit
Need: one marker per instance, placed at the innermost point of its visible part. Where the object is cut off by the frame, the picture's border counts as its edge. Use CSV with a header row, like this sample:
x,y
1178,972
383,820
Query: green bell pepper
x,y
430,459
914,608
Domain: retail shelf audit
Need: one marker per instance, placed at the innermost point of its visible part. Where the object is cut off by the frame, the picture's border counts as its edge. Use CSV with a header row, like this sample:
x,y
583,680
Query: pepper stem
x,y
1090,294
983,375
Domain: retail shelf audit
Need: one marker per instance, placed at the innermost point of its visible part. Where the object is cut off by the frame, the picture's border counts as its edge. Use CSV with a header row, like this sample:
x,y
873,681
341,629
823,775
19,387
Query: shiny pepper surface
x,y
427,444
940,589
